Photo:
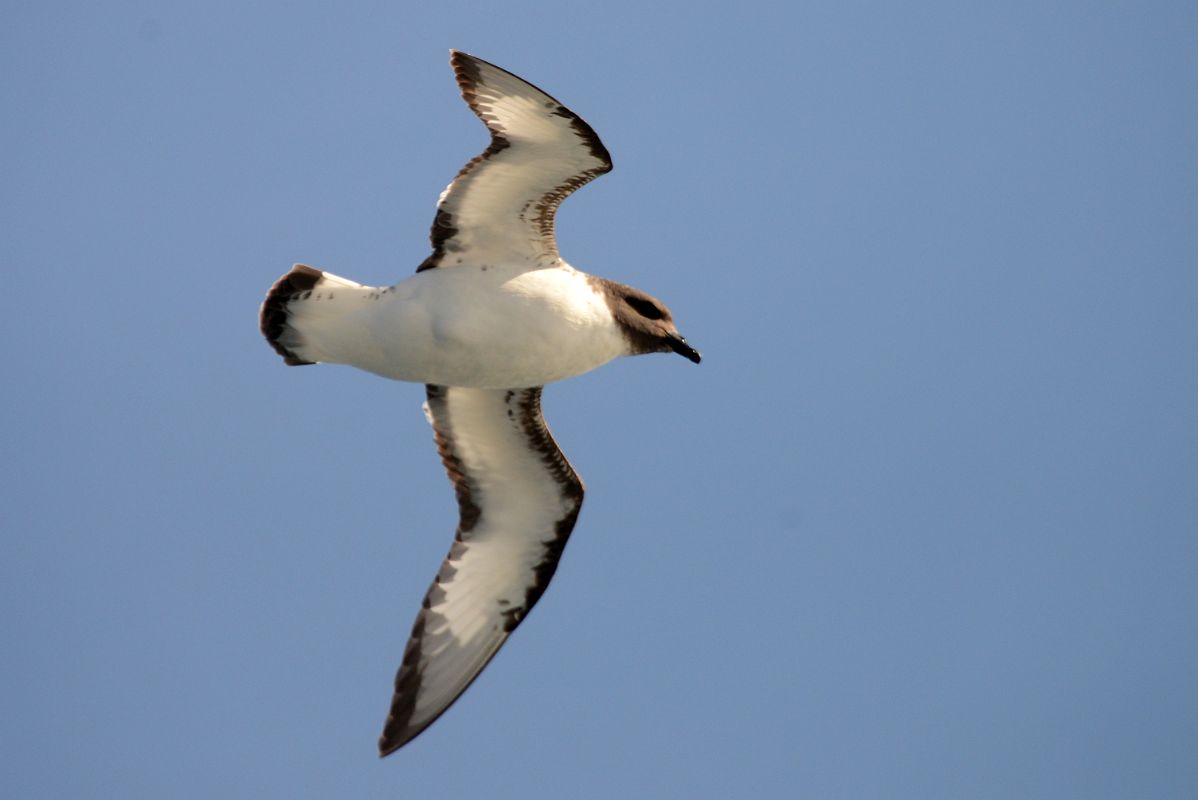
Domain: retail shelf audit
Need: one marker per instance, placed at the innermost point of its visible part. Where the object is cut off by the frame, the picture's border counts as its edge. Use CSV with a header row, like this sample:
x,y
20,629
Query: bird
x,y
489,317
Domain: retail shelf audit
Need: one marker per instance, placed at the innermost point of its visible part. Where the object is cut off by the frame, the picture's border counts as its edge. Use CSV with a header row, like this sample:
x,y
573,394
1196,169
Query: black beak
x,y
679,346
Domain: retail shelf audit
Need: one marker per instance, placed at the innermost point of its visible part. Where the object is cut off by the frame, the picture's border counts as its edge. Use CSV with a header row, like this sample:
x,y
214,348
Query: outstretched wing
x,y
518,497
499,209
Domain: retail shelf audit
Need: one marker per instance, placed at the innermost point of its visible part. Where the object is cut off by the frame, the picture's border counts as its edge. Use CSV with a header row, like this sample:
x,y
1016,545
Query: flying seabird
x,y
492,315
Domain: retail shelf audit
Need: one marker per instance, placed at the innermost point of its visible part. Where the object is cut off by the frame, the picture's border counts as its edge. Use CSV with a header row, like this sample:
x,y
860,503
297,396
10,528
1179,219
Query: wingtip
x,y
392,740
465,70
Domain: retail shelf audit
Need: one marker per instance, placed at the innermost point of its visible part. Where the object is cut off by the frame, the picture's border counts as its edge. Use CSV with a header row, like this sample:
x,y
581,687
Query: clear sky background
x,y
924,523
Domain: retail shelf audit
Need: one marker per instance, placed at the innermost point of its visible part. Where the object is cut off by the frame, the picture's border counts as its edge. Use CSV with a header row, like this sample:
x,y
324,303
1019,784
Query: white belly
x,y
474,327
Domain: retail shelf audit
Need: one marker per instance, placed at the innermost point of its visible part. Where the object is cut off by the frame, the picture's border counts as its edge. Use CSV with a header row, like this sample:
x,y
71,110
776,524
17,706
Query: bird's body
x,y
489,318
482,326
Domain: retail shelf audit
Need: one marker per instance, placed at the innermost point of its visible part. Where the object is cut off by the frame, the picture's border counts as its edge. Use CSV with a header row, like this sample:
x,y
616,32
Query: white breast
x,y
487,328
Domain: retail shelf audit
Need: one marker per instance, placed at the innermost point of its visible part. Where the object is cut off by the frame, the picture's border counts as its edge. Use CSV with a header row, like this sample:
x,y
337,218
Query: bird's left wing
x,y
518,499
500,207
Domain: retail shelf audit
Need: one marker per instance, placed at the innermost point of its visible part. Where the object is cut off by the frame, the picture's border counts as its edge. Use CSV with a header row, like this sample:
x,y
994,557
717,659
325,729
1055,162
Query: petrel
x,y
490,317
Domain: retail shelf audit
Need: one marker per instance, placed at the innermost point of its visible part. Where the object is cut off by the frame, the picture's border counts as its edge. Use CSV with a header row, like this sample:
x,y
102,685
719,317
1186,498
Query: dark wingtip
x,y
398,730
391,741
466,69
272,319
387,747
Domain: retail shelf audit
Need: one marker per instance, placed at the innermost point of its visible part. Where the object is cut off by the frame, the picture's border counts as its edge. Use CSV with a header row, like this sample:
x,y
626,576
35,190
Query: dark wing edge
x,y
430,638
467,70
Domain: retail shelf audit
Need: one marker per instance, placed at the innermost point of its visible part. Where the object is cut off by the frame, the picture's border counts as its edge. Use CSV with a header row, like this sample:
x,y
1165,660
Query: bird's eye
x,y
644,308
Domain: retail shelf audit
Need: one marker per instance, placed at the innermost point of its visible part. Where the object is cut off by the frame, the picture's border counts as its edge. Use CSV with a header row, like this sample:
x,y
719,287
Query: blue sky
x,y
923,523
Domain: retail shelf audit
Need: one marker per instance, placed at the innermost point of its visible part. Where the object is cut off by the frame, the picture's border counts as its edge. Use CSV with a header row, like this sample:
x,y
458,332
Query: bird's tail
x,y
304,311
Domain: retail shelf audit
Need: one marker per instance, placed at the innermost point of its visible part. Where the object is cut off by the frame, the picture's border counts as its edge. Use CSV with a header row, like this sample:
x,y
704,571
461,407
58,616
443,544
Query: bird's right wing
x,y
518,499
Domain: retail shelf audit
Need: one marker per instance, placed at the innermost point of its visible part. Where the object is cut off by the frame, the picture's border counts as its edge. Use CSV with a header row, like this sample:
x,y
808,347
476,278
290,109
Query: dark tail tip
x,y
273,317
